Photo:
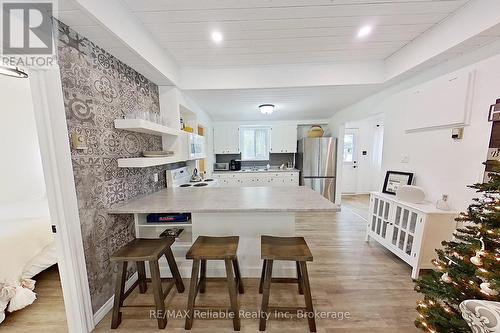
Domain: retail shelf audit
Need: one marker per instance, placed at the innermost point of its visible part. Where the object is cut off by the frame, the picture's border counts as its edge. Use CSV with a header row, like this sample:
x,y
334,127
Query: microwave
x,y
221,166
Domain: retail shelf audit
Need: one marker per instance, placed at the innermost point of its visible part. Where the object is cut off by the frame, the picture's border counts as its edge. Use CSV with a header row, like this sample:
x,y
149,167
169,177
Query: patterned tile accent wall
x,y
97,89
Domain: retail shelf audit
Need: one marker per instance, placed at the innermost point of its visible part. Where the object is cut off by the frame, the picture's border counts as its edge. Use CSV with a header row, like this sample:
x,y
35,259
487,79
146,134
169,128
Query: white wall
x,y
441,165
22,186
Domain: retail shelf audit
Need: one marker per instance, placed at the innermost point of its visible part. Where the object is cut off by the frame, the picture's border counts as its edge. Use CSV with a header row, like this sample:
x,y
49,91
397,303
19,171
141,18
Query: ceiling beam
x,y
119,21
470,20
278,76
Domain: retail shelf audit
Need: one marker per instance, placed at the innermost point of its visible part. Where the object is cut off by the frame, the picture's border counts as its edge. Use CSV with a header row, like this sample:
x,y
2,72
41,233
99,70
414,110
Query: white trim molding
x,y
108,306
52,131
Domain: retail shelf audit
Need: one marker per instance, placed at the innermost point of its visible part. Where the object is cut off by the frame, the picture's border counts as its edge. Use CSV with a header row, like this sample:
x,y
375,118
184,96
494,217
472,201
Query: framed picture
x,y
395,179
494,114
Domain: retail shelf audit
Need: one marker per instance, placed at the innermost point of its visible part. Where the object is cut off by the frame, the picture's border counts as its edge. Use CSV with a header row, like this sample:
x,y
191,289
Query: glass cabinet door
x,y
380,218
404,231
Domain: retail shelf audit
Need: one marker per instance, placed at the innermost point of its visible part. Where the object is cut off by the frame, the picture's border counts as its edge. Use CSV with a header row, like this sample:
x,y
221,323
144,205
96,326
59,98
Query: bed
x,y
26,248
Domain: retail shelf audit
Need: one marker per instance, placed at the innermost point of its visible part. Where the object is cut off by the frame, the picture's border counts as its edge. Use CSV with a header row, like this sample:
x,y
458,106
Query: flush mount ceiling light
x,y
266,108
13,71
217,37
365,31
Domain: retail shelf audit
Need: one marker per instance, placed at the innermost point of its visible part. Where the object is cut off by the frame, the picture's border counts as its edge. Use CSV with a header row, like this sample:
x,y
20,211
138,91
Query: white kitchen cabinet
x,y
226,138
284,139
410,231
255,179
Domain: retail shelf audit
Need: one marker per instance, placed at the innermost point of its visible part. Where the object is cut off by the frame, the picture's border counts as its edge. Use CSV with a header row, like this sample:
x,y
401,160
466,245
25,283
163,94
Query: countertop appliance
x,y
181,177
317,161
235,165
221,166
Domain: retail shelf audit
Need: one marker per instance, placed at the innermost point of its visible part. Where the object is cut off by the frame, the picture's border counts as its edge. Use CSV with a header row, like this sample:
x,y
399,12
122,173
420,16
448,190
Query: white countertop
x,y
257,171
425,207
228,199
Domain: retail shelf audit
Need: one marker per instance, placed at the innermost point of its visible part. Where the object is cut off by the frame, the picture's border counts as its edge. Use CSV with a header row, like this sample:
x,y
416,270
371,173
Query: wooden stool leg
x,y
203,276
265,295
232,294
141,273
174,270
262,274
193,286
121,276
158,293
239,281
307,296
299,278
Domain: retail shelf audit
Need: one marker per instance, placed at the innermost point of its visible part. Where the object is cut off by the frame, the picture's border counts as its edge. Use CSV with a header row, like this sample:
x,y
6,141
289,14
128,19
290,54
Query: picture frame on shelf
x,y
394,179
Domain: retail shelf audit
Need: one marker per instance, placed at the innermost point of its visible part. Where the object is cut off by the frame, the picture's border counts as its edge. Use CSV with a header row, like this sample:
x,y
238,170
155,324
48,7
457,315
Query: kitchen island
x,y
247,212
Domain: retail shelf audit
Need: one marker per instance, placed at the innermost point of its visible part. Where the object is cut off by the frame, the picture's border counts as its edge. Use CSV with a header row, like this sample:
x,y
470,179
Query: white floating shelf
x,y
144,162
144,126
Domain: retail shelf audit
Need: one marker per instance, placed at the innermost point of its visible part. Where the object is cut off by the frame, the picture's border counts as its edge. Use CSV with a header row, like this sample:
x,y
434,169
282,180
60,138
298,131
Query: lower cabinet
x,y
257,179
410,231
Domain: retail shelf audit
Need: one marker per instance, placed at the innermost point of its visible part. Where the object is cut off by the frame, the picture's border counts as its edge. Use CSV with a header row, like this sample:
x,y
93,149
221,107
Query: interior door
x,y
350,156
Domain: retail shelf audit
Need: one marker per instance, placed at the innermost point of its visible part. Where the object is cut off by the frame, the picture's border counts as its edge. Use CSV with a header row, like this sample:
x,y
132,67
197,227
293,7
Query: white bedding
x,y
26,248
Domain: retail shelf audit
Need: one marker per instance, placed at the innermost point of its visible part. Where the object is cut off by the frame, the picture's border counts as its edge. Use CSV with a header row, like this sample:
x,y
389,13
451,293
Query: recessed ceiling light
x,y
266,108
365,31
217,37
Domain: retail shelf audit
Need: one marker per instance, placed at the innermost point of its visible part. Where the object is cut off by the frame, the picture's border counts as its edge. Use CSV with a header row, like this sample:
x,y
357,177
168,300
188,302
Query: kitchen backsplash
x,y
97,89
274,159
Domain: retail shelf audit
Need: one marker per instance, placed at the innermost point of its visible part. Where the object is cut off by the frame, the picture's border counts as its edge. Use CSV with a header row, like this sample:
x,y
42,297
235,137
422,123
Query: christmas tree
x,y
468,267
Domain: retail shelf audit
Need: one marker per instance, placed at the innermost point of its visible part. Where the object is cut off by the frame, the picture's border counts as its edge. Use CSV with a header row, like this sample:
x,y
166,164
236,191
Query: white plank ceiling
x,y
296,103
267,32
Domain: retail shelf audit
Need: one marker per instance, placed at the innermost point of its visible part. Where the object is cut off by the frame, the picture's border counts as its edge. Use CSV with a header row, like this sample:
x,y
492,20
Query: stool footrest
x,y
284,280
287,308
215,309
132,287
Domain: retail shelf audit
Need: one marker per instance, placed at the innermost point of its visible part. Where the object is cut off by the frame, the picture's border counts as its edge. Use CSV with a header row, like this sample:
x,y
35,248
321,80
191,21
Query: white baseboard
x,y
354,193
108,306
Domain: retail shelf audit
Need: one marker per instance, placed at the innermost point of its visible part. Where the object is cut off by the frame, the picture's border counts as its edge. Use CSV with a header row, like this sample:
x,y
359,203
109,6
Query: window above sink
x,y
255,143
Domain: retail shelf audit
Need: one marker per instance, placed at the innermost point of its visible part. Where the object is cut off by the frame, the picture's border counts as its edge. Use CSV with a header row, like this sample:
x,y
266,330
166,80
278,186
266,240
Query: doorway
x,y
29,274
362,156
350,160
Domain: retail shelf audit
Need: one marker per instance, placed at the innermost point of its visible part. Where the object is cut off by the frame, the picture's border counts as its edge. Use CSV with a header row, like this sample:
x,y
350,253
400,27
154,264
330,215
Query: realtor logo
x,y
26,28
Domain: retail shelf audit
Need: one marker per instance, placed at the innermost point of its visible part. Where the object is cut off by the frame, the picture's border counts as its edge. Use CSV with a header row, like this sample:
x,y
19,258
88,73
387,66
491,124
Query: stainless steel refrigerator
x,y
317,162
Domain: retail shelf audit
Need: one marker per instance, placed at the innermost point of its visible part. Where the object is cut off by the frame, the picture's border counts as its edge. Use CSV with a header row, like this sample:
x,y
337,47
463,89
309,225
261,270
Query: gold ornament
x,y
476,260
486,289
446,278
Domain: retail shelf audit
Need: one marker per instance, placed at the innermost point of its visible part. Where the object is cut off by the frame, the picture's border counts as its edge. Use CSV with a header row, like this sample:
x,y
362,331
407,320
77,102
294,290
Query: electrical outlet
x,y
155,177
78,141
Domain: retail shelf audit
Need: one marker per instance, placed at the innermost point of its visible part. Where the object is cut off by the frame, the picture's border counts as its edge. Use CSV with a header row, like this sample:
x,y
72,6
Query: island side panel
x,y
249,226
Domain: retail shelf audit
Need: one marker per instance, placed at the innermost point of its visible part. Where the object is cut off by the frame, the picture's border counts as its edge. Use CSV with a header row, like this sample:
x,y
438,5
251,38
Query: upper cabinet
x,y
284,139
226,138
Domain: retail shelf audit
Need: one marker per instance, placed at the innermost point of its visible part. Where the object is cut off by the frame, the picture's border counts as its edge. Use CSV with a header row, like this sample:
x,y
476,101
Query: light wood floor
x,y
358,204
46,314
347,275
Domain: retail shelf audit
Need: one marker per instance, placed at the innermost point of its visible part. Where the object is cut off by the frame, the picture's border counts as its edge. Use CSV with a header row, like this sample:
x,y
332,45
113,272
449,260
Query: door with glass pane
x,y
380,219
403,234
350,157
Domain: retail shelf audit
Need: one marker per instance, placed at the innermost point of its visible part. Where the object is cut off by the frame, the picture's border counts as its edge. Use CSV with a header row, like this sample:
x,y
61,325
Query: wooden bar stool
x,y
140,251
214,248
289,249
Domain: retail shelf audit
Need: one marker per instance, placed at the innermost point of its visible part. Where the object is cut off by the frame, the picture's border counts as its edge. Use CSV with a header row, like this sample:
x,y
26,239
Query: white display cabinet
x,y
410,231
